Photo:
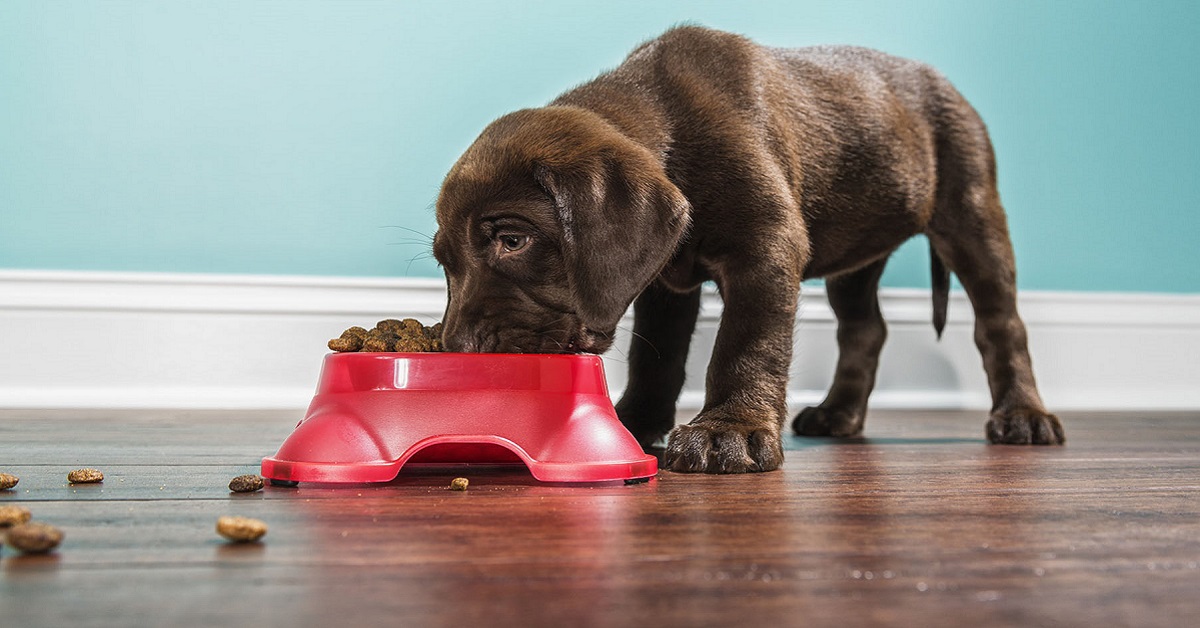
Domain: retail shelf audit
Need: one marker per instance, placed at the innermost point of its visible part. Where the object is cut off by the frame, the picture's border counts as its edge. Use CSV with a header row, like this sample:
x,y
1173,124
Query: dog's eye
x,y
512,243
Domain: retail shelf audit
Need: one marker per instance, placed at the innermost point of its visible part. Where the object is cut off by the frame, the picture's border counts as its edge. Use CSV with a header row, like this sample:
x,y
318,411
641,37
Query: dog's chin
x,y
574,339
582,341
590,341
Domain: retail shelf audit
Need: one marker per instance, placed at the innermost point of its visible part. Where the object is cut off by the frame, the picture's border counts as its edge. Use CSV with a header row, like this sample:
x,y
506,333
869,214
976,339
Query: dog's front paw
x,y
1024,427
713,445
818,421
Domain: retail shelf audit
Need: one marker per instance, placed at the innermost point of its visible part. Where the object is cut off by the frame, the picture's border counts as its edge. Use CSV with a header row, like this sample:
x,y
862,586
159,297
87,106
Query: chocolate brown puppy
x,y
705,156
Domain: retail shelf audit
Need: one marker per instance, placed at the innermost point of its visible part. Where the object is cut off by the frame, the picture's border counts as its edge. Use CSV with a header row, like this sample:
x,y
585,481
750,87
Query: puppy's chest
x,y
684,271
823,243
842,242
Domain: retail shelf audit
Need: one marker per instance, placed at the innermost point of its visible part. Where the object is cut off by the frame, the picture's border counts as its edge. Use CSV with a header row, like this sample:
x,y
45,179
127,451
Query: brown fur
x,y
707,157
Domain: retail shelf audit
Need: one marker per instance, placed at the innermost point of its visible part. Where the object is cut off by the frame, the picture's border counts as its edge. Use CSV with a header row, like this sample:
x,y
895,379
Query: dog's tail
x,y
941,290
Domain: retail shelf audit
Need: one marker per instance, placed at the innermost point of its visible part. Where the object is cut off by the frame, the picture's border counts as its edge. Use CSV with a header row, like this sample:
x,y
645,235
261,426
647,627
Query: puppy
x,y
704,156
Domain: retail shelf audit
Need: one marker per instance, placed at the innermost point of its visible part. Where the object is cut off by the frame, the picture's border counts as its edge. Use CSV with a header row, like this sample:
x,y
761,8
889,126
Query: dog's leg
x,y
861,332
977,248
663,322
739,429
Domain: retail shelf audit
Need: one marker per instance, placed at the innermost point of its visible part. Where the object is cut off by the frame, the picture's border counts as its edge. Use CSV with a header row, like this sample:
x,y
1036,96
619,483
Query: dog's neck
x,y
635,112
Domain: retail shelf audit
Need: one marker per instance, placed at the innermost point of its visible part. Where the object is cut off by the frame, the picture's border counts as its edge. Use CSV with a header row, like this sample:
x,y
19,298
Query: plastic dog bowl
x,y
374,413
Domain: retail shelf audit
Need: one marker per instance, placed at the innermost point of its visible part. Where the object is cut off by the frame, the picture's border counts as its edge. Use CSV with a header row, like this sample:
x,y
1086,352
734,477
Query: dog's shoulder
x,y
689,63
694,46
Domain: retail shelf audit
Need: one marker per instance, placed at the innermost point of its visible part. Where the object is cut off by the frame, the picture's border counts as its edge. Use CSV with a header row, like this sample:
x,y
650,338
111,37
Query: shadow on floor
x,y
794,443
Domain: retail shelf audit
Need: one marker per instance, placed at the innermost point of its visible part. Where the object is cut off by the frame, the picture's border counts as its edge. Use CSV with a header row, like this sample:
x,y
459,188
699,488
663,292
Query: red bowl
x,y
374,413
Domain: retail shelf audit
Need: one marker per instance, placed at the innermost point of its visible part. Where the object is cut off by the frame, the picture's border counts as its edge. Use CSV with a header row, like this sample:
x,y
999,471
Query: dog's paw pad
x,y
717,447
818,421
1025,427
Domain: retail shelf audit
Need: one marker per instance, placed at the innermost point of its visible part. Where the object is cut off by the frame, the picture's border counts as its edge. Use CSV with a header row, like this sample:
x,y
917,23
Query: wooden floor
x,y
920,524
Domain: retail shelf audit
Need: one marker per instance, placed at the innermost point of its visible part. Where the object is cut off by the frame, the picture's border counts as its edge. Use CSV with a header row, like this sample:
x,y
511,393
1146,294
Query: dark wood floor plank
x,y
919,524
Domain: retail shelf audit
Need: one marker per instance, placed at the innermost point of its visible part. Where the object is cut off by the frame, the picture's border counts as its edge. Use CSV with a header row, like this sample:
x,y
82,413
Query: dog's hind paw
x,y
1024,427
818,421
714,446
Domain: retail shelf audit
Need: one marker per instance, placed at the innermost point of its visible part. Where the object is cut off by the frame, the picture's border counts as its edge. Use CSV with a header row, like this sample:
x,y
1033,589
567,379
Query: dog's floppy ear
x,y
621,220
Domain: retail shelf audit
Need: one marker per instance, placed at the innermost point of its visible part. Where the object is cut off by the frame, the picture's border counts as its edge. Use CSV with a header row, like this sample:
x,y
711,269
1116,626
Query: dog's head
x,y
549,226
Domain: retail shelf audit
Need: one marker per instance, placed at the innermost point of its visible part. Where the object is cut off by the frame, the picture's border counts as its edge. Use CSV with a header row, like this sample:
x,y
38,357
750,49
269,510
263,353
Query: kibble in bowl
x,y
85,476
350,340
34,537
241,529
388,335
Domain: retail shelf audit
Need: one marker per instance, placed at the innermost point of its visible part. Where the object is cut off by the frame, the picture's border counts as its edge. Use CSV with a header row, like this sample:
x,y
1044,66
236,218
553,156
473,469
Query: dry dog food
x,y
13,515
408,335
350,340
459,484
8,481
246,484
34,538
85,476
241,529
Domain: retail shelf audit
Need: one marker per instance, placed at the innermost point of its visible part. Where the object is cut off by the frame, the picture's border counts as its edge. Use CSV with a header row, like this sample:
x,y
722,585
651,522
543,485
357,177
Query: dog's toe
x,y
1025,427
688,450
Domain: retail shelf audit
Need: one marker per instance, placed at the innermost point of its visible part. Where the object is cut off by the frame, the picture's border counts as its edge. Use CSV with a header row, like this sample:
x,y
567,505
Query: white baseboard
x,y
126,340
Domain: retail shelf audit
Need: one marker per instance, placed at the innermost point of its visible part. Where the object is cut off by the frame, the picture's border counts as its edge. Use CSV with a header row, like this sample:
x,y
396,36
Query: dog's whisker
x,y
425,237
422,255
646,340
553,323
411,242
624,356
551,339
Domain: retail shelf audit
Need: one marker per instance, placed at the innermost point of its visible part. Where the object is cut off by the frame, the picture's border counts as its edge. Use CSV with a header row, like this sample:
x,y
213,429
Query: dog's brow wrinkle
x,y
568,224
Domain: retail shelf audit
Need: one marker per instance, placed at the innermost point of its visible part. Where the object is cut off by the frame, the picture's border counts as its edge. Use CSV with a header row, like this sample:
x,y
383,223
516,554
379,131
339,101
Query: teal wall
x,y
310,137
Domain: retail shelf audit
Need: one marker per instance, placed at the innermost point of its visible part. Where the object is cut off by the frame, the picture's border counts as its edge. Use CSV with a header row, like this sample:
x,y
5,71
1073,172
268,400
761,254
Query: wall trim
x,y
156,340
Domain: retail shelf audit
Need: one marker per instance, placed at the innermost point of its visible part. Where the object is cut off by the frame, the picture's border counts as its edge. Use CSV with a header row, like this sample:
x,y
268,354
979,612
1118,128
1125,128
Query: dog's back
x,y
843,134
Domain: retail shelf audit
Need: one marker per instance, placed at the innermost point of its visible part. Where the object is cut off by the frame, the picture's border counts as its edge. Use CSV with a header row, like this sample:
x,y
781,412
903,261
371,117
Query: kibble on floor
x,y
85,476
34,537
